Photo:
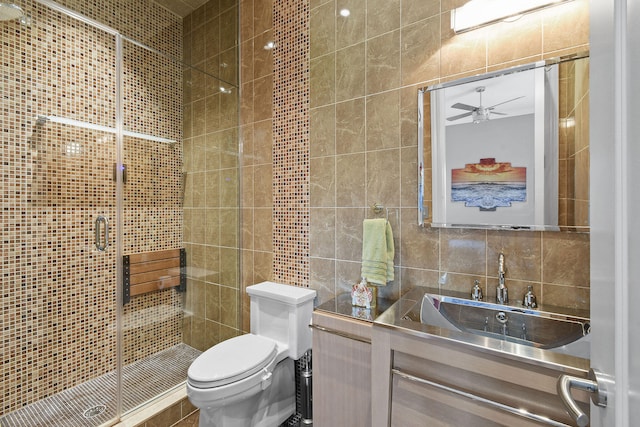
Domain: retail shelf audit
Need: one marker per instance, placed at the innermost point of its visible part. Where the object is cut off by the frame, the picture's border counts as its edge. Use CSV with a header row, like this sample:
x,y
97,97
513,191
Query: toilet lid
x,y
231,360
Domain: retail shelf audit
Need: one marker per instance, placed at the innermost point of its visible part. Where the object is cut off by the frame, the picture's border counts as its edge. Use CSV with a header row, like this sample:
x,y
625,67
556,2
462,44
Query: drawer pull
x,y
506,408
340,333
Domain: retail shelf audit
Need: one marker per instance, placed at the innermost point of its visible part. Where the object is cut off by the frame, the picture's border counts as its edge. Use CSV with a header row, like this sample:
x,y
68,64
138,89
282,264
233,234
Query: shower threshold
x,y
93,403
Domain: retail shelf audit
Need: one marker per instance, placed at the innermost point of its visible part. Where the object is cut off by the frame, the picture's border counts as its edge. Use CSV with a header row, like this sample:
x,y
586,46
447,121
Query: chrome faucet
x,y
502,296
529,299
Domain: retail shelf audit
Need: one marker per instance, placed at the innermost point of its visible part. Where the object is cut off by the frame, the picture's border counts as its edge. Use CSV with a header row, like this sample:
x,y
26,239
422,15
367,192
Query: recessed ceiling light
x,y
345,12
270,45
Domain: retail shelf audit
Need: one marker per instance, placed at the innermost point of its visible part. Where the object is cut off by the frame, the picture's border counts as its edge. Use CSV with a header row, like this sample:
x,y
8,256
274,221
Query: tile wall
x,y
256,128
365,71
211,179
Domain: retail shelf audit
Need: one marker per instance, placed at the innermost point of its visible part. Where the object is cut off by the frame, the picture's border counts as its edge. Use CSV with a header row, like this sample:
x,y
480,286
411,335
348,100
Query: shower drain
x,y
94,411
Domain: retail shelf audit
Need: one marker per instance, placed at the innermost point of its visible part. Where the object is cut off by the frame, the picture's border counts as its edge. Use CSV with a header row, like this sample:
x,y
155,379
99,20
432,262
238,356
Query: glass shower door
x,y
58,213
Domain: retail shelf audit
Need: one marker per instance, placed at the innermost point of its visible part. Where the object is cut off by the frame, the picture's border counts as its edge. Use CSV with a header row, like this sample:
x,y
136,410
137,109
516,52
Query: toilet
x,y
249,380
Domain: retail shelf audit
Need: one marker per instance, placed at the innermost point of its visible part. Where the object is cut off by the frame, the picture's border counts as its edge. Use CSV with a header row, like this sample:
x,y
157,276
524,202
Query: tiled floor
x,y
93,403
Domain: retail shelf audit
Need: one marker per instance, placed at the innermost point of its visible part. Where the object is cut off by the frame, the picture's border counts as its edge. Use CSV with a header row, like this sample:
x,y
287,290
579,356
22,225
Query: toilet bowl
x,y
249,380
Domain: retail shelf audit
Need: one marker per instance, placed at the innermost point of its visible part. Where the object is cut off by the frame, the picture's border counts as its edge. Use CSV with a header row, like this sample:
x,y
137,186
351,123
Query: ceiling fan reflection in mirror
x,y
480,113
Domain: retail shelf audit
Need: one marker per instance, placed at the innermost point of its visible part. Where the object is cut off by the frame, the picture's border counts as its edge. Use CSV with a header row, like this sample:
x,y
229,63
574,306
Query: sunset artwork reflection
x,y
488,184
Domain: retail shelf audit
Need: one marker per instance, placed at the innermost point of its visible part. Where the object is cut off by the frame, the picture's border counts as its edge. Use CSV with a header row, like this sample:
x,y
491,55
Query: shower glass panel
x,y
111,289
59,334
181,211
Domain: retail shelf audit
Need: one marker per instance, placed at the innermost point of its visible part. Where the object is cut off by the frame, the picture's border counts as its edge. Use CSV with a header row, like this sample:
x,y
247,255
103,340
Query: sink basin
x,y
525,326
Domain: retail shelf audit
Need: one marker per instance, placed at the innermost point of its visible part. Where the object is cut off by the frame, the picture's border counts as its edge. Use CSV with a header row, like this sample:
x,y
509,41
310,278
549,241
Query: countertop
x,y
403,316
341,305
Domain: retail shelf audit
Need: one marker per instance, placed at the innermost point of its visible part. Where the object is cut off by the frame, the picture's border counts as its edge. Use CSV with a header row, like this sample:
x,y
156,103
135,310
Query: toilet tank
x,y
282,313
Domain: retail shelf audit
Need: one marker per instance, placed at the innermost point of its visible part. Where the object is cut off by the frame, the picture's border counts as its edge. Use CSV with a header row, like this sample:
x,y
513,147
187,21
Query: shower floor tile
x,y
93,403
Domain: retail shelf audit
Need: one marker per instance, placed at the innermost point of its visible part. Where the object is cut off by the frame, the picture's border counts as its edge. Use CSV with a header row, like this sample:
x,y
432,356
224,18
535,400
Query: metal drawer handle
x,y
340,333
100,245
593,385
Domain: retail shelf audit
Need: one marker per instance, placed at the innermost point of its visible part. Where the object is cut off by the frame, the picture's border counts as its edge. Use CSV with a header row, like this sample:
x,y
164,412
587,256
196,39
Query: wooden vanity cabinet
x,y
341,371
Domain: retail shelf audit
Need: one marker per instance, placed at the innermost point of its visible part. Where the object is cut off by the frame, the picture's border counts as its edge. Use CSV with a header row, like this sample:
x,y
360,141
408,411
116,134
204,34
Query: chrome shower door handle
x,y
593,385
100,244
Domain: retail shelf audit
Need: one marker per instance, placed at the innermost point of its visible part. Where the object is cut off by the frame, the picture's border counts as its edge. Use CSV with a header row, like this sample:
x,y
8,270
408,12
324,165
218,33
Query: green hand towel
x,y
377,251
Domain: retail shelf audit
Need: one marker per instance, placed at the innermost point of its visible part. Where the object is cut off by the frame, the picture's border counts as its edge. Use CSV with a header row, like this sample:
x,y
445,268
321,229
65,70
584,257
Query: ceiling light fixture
x,y
478,13
345,12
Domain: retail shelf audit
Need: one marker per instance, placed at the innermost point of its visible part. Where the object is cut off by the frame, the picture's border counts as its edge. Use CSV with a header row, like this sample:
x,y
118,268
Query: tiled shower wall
x,y
58,300
211,203
364,73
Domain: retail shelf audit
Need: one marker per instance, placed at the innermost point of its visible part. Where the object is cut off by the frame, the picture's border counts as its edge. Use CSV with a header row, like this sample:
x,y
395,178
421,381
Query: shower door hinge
x,y
126,279
183,270
124,173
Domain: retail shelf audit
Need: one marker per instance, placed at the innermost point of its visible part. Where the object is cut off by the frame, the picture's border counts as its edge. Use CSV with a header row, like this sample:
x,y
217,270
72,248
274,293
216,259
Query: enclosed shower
x,y
120,203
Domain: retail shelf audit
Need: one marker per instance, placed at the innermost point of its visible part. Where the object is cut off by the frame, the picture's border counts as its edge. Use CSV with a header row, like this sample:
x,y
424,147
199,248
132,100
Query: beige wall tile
x,y
246,21
350,72
419,246
416,10
509,41
350,30
263,224
420,52
349,232
522,253
383,62
263,142
228,28
322,278
322,80
565,259
383,121
322,233
350,126
347,274
323,185
463,251
383,177
408,176
565,25
263,15
382,16
262,98
212,302
322,131
463,52
263,186
262,58
566,296
322,30
350,180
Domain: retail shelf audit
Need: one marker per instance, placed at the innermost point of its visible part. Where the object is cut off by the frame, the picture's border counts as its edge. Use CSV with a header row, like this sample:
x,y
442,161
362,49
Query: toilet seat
x,y
231,361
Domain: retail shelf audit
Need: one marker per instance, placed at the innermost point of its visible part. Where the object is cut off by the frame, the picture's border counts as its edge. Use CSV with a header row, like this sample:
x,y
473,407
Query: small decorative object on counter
x,y
363,294
476,292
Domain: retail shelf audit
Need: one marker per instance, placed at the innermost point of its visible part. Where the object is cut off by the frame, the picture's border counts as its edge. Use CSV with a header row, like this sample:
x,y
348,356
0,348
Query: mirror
x,y
507,149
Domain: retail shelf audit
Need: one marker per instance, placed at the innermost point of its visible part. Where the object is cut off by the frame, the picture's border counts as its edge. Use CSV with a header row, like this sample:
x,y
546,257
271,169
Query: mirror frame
x,y
423,211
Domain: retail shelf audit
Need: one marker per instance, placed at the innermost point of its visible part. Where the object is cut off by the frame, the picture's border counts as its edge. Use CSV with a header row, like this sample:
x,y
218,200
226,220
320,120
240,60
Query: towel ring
x,y
377,209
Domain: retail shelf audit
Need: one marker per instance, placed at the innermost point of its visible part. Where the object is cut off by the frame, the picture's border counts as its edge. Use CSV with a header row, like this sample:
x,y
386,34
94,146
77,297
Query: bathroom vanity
x,y
420,374
342,362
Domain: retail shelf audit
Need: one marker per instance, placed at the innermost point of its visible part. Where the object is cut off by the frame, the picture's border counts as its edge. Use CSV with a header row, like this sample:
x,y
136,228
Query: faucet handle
x,y
529,299
476,292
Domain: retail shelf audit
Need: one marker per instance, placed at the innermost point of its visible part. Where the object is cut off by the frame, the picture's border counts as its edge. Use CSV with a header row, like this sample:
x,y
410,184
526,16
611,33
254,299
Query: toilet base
x,y
265,408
